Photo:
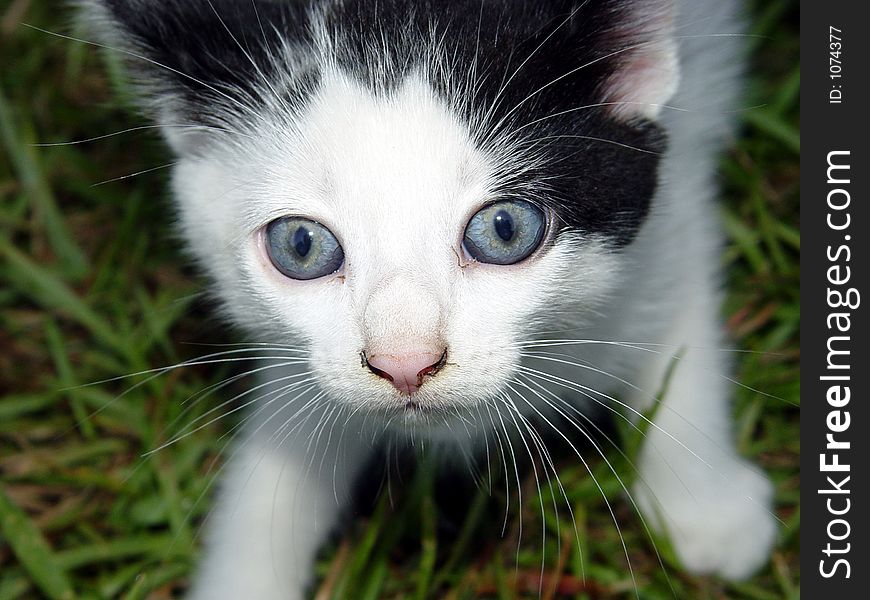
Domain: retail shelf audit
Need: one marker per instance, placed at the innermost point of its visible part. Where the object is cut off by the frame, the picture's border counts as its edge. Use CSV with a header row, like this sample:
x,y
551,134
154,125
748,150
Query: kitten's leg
x,y
715,506
279,499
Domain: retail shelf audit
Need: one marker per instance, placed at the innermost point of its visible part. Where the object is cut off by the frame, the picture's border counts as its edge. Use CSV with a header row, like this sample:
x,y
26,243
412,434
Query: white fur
x,y
396,176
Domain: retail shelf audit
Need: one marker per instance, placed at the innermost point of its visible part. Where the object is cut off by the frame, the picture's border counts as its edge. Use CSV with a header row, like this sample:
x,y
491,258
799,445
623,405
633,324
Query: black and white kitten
x,y
456,214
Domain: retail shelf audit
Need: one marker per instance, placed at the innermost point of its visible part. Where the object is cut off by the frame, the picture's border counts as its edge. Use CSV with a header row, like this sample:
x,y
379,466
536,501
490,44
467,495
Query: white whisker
x,y
595,481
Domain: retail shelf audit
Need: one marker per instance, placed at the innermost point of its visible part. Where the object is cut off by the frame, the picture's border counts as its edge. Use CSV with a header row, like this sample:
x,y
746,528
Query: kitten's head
x,y
406,190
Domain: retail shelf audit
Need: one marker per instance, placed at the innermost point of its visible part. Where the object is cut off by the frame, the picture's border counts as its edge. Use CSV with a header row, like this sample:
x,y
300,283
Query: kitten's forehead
x,y
404,140
397,164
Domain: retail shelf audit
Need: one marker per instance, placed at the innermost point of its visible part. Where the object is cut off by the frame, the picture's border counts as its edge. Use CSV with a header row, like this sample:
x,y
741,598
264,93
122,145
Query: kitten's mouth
x,y
412,406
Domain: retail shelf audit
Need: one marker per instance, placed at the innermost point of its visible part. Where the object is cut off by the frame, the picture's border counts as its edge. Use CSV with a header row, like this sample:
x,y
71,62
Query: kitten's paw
x,y
724,526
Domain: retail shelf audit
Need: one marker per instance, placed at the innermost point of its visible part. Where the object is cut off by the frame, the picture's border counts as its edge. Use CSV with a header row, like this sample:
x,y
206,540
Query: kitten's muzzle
x,y
406,372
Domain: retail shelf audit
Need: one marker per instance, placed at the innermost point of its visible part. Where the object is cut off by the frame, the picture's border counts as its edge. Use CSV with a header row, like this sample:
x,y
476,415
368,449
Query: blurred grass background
x,y
93,285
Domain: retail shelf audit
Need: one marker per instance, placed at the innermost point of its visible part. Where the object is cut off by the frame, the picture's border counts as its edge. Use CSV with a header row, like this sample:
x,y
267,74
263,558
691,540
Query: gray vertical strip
x,y
835,221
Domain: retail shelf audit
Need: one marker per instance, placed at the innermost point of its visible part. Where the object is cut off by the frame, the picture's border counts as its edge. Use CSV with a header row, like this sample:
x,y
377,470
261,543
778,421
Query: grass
x,y
92,285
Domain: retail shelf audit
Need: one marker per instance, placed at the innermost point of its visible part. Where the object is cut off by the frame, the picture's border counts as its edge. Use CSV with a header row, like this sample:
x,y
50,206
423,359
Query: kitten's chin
x,y
414,412
429,424
423,415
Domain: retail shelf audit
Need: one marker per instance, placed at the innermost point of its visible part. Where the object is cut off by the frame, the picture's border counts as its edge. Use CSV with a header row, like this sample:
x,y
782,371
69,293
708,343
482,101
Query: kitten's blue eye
x,y
302,248
506,232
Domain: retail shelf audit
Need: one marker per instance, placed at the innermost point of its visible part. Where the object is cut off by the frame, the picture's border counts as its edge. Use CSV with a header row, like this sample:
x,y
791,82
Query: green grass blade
x,y
49,290
429,543
33,551
45,206
776,127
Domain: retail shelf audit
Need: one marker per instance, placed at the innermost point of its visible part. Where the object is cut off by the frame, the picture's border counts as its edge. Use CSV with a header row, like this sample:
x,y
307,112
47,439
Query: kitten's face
x,y
394,139
395,178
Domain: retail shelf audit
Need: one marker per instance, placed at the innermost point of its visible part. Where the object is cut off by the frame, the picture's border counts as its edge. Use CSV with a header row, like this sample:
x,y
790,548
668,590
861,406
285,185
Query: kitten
x,y
445,215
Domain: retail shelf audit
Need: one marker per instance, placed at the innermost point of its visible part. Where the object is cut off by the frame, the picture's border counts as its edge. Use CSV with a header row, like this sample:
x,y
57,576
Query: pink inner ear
x,y
649,67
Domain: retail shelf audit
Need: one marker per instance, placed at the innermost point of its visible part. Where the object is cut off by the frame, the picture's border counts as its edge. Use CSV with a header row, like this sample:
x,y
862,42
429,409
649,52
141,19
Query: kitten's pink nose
x,y
406,371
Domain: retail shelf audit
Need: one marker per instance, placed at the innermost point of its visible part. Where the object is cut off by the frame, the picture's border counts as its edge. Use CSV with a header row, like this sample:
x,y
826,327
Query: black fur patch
x,y
216,56
532,59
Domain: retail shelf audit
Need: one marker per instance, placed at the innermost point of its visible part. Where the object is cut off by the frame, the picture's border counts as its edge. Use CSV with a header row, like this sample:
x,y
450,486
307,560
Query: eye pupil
x,y
504,225
302,241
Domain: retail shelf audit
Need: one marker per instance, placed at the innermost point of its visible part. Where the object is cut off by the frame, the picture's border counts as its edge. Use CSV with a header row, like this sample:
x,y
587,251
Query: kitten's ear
x,y
200,63
647,59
